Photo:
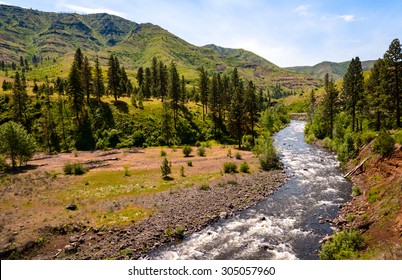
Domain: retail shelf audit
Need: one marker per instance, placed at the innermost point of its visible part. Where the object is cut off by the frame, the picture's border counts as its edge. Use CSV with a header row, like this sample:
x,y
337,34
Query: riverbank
x,y
119,216
376,207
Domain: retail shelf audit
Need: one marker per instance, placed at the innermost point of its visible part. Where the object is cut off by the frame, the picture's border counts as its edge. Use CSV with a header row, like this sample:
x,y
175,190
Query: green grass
x,y
123,216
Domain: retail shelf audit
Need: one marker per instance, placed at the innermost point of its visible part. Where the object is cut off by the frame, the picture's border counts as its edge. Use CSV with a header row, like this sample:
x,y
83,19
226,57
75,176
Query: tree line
x,y
349,115
66,114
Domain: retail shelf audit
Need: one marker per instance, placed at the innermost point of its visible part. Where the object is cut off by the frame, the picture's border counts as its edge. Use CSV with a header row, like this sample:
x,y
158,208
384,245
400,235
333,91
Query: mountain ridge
x,y
335,69
27,32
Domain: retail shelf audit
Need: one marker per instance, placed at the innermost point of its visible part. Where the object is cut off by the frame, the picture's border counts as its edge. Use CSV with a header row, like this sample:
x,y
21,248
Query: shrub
x,y
182,171
356,191
344,245
327,143
384,144
229,154
165,168
189,163
230,167
74,168
244,167
367,136
398,137
187,150
201,151
163,153
266,153
205,187
238,155
16,143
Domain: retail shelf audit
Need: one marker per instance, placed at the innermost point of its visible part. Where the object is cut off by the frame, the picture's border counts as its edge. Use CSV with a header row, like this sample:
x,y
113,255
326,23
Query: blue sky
x,y
287,33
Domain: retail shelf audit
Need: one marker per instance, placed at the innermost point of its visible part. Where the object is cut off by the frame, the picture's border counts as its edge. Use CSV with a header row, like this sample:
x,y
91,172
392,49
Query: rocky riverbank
x,y
178,213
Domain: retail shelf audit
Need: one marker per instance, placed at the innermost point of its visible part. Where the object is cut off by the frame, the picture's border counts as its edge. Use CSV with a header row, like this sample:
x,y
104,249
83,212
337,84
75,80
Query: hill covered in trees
x,y
36,37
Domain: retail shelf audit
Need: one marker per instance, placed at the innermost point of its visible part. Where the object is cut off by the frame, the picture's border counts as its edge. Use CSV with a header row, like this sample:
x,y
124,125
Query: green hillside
x,y
336,70
56,36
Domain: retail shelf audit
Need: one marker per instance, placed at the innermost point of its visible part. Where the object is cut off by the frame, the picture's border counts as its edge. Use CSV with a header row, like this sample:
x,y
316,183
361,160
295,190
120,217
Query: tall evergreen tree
x,y
329,106
86,76
99,85
204,86
251,107
236,109
113,75
147,83
140,77
19,99
155,77
174,90
353,89
163,81
393,60
75,91
79,58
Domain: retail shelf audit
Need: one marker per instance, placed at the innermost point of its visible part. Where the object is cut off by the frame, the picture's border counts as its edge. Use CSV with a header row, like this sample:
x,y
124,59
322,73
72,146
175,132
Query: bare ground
x,y
377,212
34,223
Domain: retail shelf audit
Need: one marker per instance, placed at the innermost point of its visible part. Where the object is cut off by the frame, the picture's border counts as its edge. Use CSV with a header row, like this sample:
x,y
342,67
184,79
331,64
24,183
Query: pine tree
x,y
213,101
155,77
140,77
79,58
236,109
165,168
174,91
353,89
147,83
19,99
75,91
163,80
393,61
86,76
329,106
251,104
113,75
99,86
204,86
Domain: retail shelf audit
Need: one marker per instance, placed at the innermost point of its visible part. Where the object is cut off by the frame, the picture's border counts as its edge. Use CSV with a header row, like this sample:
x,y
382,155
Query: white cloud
x,y
302,10
348,18
87,10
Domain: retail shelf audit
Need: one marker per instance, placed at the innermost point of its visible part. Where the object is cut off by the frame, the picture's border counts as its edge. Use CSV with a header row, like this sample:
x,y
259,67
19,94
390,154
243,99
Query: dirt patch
x,y
377,211
128,217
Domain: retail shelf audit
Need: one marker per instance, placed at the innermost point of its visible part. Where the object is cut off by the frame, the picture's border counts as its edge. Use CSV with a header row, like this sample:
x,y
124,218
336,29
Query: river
x,y
286,225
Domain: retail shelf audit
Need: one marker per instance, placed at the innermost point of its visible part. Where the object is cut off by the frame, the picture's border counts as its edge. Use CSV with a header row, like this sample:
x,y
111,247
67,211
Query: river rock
x,y
71,207
70,249
223,215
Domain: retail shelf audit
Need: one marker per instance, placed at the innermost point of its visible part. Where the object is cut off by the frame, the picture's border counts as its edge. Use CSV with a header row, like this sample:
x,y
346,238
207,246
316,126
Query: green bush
x,y
343,246
384,144
238,155
230,167
244,167
201,151
189,163
327,143
16,143
163,153
187,150
356,191
165,168
205,187
74,168
367,136
398,137
266,153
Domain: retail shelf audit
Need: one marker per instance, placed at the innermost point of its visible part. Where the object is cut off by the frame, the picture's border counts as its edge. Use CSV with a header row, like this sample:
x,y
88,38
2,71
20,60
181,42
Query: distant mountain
x,y
336,70
27,32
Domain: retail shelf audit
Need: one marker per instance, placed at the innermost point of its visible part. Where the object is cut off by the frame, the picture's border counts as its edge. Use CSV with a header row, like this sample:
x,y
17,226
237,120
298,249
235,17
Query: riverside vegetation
x,y
60,119
360,120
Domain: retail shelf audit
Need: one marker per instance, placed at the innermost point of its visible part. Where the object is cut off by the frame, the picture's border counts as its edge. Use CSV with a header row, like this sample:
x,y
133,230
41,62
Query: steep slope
x,y
334,69
26,33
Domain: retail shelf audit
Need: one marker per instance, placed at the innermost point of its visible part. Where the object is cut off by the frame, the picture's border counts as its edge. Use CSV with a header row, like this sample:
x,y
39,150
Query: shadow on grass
x,y
121,106
168,178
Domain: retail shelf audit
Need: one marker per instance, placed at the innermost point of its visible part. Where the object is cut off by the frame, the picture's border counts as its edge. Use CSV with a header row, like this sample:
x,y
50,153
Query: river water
x,y
288,224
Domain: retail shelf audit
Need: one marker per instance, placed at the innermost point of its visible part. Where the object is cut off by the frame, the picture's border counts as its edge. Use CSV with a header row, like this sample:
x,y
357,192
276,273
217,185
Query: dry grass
x,y
106,195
